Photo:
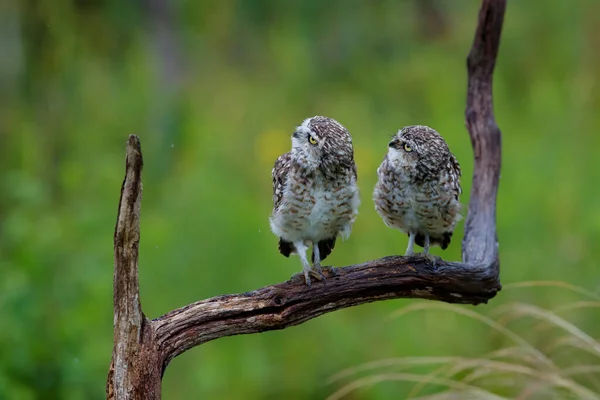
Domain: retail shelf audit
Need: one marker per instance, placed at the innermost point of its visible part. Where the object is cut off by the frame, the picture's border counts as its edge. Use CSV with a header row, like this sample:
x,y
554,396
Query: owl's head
x,y
418,149
322,143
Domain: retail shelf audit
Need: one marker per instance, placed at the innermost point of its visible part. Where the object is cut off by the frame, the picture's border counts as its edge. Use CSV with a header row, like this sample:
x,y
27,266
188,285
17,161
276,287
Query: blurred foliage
x,y
214,90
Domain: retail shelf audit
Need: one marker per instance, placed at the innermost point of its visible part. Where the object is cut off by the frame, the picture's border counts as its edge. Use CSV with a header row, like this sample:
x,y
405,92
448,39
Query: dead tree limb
x,y
480,243
143,348
135,370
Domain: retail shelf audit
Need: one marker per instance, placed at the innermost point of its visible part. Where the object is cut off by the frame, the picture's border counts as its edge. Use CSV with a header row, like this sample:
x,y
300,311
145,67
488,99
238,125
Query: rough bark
x,y
143,348
480,243
135,370
292,302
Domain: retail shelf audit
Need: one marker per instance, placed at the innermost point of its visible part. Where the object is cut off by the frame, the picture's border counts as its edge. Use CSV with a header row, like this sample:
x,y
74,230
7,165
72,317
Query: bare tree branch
x,y
480,243
135,371
292,303
143,348
127,307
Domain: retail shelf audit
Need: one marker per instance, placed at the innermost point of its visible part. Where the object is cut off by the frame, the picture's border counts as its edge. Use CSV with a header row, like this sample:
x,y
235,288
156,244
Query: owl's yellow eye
x,y
407,148
312,140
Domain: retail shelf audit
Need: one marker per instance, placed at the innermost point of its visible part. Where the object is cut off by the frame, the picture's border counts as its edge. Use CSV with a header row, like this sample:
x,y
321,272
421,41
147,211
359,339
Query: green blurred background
x,y
214,90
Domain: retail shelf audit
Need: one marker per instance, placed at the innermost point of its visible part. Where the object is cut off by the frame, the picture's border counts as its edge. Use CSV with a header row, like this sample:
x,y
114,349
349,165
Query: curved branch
x,y
292,303
143,348
472,282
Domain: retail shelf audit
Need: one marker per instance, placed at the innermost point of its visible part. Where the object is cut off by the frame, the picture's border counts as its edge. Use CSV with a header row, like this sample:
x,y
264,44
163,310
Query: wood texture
x,y
143,348
480,243
293,302
135,370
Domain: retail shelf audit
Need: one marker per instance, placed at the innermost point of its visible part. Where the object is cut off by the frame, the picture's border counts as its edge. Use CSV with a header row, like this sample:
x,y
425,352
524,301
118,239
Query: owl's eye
x,y
407,148
312,140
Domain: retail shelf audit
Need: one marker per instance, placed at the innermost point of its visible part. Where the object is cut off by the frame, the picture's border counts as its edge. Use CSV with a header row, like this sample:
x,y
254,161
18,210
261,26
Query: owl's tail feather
x,y
286,248
325,248
442,241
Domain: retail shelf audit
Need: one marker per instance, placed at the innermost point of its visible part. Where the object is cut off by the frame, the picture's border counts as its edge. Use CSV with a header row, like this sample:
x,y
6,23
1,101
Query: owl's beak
x,y
394,143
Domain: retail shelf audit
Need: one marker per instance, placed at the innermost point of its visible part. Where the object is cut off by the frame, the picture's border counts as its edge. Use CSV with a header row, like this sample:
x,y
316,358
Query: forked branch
x,y
143,348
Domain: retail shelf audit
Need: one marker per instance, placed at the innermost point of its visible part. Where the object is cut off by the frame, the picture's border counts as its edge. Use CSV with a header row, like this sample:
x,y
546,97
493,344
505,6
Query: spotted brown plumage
x,y
418,188
315,193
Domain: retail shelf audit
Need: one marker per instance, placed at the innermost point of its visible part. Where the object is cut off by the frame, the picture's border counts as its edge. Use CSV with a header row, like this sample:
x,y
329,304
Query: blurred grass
x,y
78,77
562,365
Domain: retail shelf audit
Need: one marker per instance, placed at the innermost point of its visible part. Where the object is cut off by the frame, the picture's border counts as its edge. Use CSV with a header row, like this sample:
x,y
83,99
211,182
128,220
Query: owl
x,y
418,188
315,192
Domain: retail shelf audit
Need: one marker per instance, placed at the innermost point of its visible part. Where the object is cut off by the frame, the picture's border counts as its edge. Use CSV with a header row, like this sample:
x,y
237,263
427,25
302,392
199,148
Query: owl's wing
x,y
455,174
280,173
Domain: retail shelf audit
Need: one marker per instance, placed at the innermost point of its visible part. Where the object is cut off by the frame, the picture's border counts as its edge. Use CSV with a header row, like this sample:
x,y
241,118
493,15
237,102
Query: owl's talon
x,y
431,258
317,272
307,277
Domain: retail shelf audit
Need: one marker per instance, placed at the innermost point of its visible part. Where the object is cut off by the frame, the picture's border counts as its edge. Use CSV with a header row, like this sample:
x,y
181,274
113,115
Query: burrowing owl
x,y
418,188
315,195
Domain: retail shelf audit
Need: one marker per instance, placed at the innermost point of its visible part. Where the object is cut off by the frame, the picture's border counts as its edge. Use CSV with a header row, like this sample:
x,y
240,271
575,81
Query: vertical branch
x,y
127,307
131,329
480,244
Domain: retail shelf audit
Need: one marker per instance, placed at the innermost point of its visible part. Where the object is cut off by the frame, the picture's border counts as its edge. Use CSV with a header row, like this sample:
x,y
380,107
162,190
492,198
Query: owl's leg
x,y
426,245
317,255
317,260
425,252
411,244
301,250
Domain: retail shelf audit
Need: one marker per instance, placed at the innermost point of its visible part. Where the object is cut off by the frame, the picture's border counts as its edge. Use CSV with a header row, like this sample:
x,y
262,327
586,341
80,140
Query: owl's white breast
x,y
316,210
414,207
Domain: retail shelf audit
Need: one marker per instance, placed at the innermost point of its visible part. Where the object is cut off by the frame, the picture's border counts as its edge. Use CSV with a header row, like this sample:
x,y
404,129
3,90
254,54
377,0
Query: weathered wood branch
x,y
291,303
135,371
480,243
143,348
